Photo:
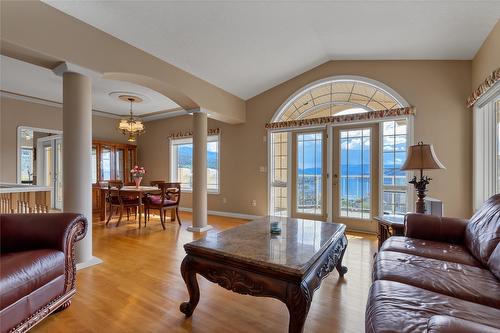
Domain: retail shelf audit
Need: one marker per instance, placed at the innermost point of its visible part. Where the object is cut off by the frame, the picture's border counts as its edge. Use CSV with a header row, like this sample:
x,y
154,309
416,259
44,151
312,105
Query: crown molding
x,y
164,114
58,105
25,98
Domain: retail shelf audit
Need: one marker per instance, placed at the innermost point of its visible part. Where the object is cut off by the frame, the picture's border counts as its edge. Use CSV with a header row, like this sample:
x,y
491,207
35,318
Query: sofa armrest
x,y
58,231
448,324
435,228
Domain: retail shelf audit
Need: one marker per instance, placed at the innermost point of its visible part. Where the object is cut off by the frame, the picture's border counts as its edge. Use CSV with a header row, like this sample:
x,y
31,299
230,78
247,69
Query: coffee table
x,y
249,260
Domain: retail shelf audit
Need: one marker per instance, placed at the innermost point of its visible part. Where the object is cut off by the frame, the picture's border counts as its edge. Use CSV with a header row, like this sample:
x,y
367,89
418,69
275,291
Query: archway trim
x,y
298,97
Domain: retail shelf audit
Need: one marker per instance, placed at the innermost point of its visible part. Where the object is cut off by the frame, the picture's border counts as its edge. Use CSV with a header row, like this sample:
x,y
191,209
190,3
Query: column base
x,y
93,261
199,229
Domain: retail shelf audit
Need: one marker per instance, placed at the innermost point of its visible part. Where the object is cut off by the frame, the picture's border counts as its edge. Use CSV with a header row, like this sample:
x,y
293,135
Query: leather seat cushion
x,y
156,201
482,233
430,249
466,282
397,307
447,324
23,272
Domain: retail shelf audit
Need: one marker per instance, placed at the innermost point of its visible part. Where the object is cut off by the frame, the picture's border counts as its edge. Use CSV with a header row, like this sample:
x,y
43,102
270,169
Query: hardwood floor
x,y
139,288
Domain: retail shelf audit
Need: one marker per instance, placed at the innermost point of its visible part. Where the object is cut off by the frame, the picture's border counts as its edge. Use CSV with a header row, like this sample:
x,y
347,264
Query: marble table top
x,y
298,246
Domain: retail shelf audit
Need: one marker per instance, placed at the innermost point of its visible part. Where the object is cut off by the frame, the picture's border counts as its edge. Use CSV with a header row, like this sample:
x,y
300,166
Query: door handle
x,y
335,179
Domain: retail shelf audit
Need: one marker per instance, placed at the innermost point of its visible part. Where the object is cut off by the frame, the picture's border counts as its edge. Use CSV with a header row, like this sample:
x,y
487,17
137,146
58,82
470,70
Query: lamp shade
x,y
421,156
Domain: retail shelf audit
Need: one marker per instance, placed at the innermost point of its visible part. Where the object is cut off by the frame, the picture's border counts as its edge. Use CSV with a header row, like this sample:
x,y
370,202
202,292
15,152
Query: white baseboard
x,y
93,261
225,214
199,229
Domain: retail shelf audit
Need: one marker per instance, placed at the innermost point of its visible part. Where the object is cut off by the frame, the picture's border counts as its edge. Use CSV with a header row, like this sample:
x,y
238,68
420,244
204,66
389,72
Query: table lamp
x,y
421,157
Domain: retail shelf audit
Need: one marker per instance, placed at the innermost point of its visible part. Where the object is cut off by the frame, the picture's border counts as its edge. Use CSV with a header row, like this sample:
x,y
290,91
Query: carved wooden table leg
x,y
342,269
298,301
189,276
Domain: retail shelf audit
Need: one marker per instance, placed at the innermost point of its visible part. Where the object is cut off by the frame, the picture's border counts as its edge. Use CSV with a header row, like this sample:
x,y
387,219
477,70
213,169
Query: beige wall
x,y
487,58
14,113
436,88
154,154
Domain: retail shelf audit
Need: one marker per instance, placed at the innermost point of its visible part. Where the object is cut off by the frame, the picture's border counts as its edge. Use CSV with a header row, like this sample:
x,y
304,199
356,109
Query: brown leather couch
x,y
37,266
442,276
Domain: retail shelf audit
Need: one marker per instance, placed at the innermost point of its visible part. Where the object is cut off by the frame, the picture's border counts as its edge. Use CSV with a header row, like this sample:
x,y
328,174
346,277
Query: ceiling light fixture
x,y
131,126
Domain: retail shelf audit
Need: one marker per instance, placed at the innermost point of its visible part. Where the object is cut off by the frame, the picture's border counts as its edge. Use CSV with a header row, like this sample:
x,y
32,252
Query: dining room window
x,y
181,163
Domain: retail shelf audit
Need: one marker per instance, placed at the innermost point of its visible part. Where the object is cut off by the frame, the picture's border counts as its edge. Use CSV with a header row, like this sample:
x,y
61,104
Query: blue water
x,y
352,188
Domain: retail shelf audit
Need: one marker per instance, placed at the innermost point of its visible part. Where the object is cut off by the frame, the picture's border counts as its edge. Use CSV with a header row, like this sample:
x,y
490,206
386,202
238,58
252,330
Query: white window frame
x,y
484,165
410,197
410,192
173,160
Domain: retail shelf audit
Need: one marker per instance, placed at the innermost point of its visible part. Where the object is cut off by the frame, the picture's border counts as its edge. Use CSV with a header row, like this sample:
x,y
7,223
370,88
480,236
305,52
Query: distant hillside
x,y
186,156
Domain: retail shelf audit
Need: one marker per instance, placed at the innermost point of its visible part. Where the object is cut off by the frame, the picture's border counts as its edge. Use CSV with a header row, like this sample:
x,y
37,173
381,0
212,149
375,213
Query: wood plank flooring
x,y
139,288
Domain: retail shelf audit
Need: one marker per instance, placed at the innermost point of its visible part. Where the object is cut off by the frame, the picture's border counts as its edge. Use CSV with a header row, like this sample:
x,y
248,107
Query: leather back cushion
x,y
494,262
483,230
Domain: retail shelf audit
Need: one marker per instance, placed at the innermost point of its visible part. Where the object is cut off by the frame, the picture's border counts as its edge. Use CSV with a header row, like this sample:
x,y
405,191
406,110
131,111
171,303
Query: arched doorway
x,y
333,157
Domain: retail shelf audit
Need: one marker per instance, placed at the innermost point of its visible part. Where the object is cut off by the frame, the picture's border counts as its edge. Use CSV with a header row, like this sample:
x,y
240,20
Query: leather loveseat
x,y
442,276
37,266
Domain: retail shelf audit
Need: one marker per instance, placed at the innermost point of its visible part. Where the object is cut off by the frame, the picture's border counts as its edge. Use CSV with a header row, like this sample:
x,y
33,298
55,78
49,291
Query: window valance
x,y
189,133
493,78
406,111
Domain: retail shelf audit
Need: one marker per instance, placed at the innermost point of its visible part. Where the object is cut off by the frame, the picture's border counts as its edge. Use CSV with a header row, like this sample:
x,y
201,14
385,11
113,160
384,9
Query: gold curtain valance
x,y
493,78
343,119
189,133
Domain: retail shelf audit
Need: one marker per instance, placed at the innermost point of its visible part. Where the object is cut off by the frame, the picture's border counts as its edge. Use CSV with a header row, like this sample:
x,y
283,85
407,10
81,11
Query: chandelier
x,y
131,126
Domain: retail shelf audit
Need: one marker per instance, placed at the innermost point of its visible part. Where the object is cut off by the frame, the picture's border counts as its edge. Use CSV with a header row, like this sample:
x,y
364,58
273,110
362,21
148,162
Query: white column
x,y
77,145
199,172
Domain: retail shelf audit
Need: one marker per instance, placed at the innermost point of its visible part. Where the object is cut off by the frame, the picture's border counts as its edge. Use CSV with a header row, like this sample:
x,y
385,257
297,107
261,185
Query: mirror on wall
x,y
34,147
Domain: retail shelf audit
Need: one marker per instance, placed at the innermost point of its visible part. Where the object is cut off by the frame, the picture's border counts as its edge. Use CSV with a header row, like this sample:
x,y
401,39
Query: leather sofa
x,y
442,276
37,266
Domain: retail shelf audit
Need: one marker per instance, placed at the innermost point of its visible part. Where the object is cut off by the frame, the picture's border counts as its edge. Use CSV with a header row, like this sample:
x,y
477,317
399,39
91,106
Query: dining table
x,y
140,192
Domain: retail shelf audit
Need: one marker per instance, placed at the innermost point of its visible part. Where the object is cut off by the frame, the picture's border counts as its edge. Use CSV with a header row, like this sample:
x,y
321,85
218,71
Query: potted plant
x,y
137,173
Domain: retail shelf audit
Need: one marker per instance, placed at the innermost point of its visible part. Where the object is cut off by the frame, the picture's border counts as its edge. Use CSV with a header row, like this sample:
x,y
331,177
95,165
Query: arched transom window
x,y
337,97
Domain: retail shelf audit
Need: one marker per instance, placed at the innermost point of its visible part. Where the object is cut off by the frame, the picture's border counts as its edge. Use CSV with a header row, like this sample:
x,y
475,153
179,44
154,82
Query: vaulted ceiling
x,y
248,47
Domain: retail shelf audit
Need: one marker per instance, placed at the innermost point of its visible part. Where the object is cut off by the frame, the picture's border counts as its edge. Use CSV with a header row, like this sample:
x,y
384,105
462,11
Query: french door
x,y
355,176
309,175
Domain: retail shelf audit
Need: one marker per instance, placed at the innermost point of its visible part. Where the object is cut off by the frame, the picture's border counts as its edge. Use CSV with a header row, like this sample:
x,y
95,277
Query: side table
x,y
389,225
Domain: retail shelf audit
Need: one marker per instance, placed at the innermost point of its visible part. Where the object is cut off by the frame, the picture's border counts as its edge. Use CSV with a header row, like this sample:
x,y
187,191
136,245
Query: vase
x,y
137,182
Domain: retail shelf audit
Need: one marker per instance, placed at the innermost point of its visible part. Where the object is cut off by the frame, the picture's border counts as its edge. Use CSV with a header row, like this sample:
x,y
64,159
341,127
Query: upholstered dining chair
x,y
115,198
168,199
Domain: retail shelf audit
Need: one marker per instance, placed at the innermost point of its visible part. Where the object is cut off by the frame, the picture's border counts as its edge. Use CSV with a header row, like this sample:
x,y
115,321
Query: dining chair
x,y
168,199
116,198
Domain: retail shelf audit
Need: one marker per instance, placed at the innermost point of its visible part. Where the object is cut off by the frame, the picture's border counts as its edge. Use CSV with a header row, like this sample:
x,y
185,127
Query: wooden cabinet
x,y
110,161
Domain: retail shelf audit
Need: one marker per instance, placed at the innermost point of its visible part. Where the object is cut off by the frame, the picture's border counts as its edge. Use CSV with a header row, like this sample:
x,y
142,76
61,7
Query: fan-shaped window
x,y
337,97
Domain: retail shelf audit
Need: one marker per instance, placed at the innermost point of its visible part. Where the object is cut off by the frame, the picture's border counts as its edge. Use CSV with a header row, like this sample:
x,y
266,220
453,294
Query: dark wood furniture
x,y
168,199
37,266
131,191
116,198
110,160
249,260
389,225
